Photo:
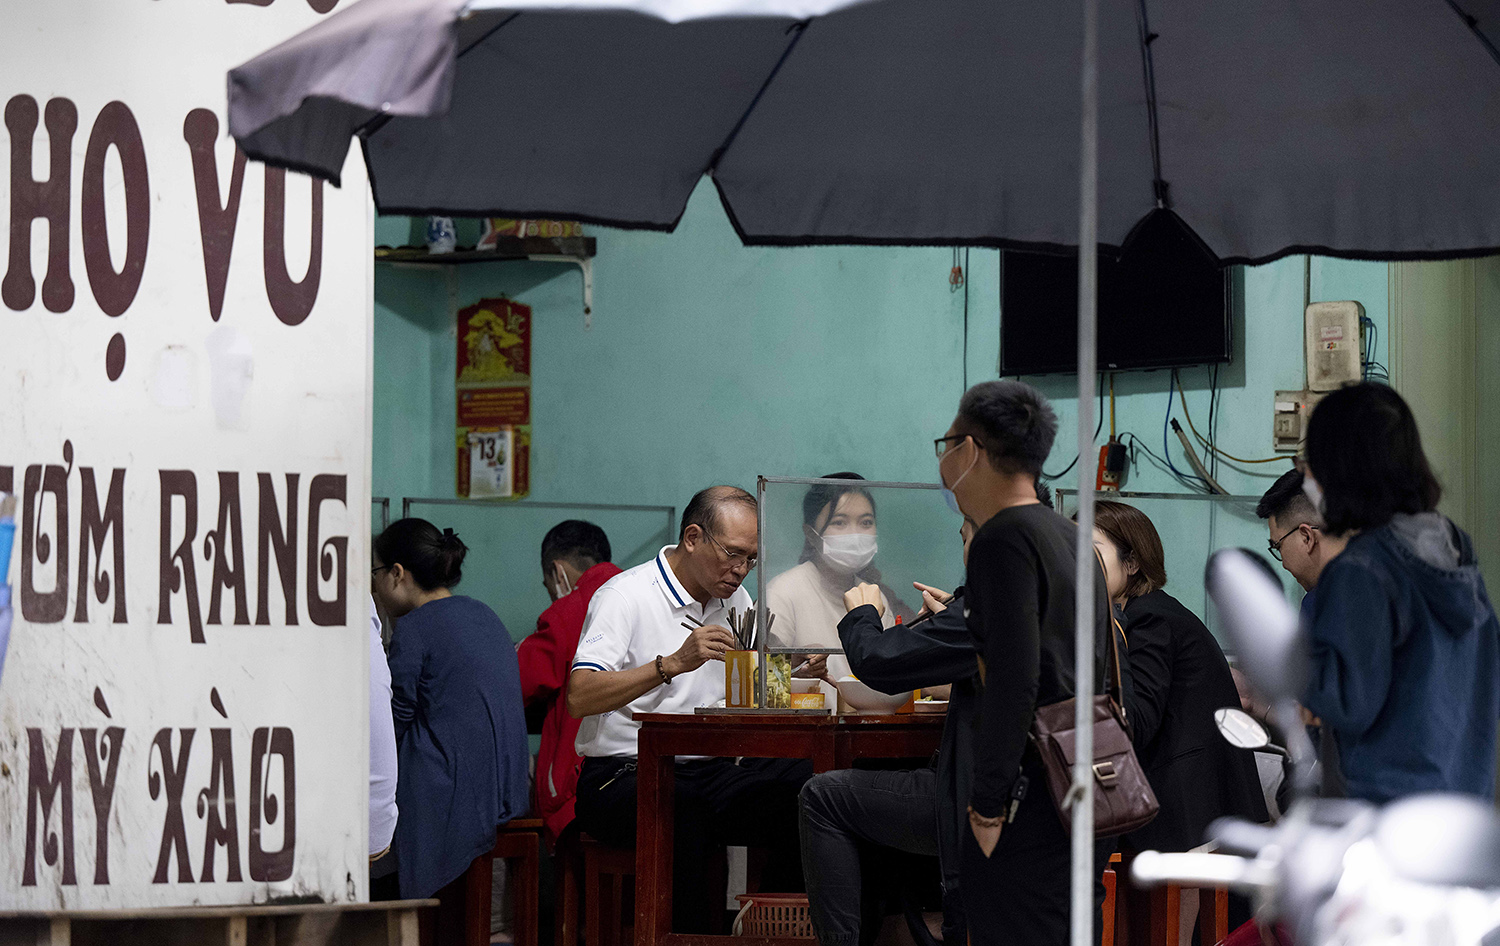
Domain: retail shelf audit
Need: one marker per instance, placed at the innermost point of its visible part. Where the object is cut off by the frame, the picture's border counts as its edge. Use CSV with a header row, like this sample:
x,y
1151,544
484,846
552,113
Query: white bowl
x,y
867,699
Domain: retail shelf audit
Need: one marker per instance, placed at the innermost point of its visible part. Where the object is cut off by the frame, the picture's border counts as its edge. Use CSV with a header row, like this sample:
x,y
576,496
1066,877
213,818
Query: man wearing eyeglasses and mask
x,y
635,657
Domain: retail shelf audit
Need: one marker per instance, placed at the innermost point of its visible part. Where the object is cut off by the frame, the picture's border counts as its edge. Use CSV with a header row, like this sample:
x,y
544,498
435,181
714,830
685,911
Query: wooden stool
x,y
608,873
1111,884
519,840
1150,917
567,864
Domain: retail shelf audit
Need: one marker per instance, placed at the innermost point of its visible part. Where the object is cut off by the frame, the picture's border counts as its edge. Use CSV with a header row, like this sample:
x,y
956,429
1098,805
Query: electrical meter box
x,y
1289,429
1335,344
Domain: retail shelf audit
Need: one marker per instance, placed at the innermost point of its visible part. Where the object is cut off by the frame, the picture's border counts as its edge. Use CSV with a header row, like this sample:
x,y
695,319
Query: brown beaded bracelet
x,y
662,671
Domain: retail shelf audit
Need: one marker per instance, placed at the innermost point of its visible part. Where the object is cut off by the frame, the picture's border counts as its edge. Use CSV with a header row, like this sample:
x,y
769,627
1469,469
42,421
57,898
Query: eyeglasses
x,y
1275,547
378,569
940,445
736,559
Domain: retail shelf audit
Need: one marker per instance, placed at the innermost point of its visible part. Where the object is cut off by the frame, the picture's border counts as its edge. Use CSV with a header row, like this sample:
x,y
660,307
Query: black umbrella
x,y
1363,128
1348,127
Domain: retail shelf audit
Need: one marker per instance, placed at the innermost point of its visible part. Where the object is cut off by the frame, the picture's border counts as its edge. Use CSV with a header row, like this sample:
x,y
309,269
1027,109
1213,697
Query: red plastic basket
x,y
774,914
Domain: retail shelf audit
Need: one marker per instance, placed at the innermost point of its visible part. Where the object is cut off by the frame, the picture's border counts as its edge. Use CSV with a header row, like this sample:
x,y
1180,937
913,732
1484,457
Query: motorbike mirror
x,y
1240,729
1261,626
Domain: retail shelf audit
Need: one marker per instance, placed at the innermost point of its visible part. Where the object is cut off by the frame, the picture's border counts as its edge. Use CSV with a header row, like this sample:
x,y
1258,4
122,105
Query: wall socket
x,y
1289,420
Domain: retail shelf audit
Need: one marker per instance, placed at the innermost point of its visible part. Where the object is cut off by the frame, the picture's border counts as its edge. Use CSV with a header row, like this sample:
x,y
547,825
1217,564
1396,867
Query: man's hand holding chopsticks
x,y
705,643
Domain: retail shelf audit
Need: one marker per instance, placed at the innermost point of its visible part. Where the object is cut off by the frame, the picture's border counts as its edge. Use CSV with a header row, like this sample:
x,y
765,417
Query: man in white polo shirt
x,y
635,657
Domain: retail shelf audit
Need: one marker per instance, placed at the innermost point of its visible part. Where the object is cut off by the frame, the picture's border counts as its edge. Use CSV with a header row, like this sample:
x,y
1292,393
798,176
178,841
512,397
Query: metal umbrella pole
x,y
1082,794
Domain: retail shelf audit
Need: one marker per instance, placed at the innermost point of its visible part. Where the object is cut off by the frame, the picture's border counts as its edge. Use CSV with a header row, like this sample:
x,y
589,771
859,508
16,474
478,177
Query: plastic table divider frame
x,y
406,504
385,511
763,646
1062,493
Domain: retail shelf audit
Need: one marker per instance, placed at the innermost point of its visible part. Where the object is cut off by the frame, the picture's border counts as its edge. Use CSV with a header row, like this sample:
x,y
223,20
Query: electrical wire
x,y
1097,427
1166,450
1213,418
966,312
1111,406
1372,370
1137,445
1208,443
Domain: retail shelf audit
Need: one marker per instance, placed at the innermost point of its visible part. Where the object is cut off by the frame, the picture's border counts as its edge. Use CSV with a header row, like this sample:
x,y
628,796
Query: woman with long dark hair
x,y
456,700
840,541
1404,641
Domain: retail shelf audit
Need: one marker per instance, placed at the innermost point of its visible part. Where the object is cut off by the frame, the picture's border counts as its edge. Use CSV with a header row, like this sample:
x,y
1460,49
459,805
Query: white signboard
x,y
184,416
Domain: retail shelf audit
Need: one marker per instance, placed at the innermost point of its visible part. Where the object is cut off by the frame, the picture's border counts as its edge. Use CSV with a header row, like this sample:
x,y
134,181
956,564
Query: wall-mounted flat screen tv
x,y
1163,303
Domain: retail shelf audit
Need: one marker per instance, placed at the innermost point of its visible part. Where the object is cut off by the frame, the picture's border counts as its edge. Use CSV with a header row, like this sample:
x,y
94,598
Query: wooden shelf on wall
x,y
507,249
573,251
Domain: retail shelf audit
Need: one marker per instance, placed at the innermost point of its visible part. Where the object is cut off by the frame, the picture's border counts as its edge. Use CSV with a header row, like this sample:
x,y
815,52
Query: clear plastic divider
x,y
822,537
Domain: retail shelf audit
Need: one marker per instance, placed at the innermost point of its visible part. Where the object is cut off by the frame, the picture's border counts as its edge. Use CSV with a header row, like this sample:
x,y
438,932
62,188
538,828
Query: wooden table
x,y
831,742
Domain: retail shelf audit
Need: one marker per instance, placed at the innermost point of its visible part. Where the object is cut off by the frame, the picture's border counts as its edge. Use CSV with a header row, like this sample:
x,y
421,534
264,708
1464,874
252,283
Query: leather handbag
x,y
1123,799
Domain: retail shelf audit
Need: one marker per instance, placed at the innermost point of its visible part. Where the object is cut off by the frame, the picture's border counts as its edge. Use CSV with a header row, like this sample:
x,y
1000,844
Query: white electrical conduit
x,y
1197,464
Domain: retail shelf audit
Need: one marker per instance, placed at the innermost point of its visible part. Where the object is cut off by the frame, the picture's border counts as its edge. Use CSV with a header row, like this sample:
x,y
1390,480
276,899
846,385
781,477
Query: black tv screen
x,y
1163,303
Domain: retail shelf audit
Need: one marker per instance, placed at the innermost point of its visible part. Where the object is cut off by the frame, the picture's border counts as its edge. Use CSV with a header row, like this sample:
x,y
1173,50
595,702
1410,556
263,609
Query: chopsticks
x,y
743,628
741,625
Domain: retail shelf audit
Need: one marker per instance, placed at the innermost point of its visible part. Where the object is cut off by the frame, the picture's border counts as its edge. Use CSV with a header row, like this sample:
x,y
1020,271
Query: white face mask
x,y
1314,493
950,497
851,552
561,586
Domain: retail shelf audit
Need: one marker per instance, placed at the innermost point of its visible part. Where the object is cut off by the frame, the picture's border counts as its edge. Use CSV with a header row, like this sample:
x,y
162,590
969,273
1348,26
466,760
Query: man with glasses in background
x,y
1298,542
633,659
1297,539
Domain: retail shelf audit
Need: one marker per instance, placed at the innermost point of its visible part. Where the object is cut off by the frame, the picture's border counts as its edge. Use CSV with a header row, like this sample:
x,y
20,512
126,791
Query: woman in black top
x,y
1180,678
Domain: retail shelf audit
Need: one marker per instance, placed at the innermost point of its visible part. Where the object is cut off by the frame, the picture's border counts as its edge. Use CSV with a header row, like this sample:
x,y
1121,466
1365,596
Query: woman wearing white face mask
x,y
838,552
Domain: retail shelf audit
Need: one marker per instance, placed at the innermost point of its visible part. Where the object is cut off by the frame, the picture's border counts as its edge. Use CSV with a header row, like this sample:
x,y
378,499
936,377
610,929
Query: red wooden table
x,y
831,742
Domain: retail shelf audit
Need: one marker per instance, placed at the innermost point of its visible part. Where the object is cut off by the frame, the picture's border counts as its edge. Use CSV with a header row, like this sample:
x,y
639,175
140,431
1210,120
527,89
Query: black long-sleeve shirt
x,y
1021,606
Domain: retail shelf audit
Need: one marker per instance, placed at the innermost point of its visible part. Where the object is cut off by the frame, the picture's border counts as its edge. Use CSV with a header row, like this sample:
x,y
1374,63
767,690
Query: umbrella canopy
x,y
1347,127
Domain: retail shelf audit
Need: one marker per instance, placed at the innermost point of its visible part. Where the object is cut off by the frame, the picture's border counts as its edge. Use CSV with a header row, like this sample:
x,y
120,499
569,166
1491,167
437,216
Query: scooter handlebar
x,y
1151,868
1237,836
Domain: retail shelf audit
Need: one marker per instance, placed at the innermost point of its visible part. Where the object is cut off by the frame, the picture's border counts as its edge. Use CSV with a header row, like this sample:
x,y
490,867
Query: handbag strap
x,y
1114,684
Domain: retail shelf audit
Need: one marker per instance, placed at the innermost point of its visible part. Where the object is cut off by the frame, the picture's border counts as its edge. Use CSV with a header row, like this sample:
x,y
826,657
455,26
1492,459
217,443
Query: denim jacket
x,y
1405,668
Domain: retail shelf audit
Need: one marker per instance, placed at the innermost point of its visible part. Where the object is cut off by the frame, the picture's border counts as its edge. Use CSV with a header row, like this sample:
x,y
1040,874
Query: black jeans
x,y
893,809
751,802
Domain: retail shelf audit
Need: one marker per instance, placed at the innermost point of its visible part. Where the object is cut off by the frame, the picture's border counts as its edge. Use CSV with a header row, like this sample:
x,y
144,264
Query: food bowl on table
x,y
867,699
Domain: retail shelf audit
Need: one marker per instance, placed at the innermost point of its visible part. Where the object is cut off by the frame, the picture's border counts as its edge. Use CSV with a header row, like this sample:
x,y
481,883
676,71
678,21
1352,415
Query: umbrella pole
x,y
1082,795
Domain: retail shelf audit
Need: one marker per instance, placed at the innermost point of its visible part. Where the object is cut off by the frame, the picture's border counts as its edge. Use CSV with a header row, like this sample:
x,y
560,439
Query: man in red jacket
x,y
575,562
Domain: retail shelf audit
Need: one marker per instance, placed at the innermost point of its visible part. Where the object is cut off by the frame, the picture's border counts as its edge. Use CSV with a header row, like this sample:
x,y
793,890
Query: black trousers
x,y
1021,894
752,802
844,811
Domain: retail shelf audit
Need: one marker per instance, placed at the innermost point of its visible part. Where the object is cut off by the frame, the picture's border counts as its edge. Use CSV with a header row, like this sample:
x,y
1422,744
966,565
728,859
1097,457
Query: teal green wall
x,y
712,362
